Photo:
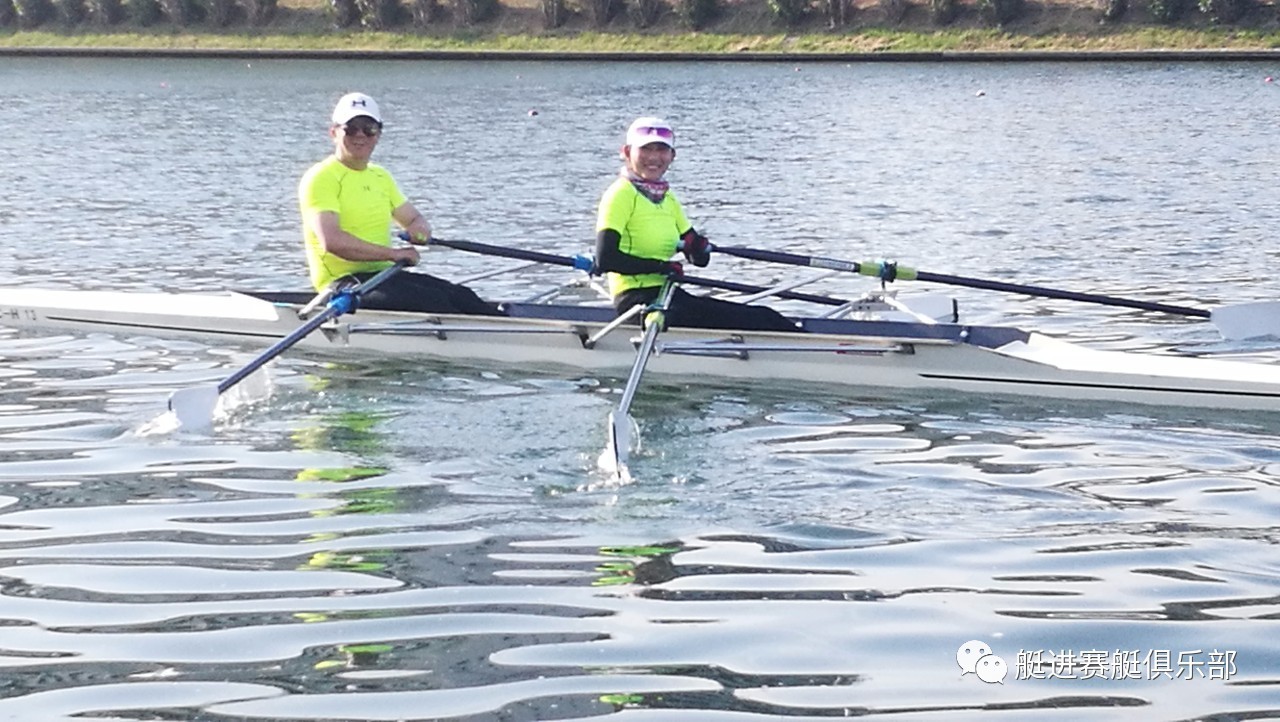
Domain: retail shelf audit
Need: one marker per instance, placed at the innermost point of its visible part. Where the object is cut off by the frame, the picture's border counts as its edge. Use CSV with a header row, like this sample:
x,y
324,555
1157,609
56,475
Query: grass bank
x,y
745,28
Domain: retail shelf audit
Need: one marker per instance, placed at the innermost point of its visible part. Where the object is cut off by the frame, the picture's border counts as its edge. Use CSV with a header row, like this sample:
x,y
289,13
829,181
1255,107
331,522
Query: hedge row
x,y
387,14
384,14
29,14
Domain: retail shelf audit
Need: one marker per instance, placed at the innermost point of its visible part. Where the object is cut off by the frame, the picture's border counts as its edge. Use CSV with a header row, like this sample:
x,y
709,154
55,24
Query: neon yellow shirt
x,y
647,230
363,200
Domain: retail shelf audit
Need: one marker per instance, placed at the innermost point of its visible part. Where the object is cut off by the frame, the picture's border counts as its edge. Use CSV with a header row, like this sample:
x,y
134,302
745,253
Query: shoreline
x,y
743,30
963,56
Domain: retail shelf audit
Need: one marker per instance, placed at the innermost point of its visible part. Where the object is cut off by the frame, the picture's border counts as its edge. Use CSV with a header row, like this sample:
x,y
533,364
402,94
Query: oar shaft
x,y
505,252
276,349
646,347
1062,294
795,259
620,421
642,357
334,309
748,288
581,263
907,274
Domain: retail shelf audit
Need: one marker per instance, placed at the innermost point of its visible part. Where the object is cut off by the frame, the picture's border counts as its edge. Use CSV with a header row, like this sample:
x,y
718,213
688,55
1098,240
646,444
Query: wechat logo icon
x,y
975,657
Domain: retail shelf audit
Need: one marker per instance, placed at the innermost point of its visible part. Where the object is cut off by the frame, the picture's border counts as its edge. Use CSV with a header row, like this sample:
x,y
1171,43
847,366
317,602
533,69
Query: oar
x,y
1238,321
194,406
618,445
586,263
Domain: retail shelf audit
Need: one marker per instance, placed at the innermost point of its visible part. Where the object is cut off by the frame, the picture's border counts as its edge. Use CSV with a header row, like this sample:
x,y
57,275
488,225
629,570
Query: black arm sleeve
x,y
610,258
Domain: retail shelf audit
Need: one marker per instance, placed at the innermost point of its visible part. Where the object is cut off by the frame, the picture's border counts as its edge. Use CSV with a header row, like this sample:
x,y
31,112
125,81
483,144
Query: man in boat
x,y
639,228
347,205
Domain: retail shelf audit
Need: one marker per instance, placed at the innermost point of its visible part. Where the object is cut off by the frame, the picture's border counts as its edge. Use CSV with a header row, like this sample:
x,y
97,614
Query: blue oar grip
x,y
344,302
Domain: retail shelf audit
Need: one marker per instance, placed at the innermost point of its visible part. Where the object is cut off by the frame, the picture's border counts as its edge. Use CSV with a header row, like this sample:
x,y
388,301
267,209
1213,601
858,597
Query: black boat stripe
x,y
159,327
1121,387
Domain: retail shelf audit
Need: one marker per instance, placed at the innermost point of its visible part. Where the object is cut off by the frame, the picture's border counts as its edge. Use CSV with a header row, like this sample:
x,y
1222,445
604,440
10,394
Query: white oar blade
x,y
1248,320
617,449
195,406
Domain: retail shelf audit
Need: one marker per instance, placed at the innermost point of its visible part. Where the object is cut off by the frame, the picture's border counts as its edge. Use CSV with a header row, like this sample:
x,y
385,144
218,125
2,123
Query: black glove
x,y
675,270
697,249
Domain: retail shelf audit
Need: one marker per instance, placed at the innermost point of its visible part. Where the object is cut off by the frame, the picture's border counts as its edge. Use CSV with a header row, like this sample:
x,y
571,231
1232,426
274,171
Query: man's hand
x,y
419,232
416,228
409,255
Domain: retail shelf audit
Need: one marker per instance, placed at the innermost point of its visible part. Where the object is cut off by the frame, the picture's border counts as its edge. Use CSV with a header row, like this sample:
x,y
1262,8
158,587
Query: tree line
x,y
695,14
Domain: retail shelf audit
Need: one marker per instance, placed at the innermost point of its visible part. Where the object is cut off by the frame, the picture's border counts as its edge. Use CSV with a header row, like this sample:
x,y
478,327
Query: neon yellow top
x,y
647,230
363,200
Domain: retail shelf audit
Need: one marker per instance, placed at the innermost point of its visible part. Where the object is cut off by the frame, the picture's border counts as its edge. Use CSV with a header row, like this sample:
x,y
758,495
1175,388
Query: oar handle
x,y
343,301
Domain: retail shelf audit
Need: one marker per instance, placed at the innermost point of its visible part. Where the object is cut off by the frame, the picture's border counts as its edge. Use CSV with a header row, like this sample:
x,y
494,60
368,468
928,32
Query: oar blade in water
x,y
617,450
194,407
1248,320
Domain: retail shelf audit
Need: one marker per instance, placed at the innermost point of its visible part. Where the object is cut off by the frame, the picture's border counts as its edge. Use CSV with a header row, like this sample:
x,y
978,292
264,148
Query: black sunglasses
x,y
370,130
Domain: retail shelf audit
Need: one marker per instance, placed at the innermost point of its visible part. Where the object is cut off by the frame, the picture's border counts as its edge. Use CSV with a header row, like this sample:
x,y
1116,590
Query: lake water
x,y
412,540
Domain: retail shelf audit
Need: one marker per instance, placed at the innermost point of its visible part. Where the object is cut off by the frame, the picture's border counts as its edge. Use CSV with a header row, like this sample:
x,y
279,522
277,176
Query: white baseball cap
x,y
354,105
650,130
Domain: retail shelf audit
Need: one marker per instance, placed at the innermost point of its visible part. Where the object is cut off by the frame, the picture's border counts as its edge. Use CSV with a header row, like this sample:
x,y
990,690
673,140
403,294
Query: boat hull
x,y
909,356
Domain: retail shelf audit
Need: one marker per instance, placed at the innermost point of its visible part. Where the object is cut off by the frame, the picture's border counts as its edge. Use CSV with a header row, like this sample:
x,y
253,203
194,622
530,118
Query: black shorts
x,y
409,291
705,312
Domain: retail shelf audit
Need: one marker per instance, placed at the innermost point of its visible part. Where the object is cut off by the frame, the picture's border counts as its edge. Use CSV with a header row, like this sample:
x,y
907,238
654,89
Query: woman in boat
x,y
641,225
348,204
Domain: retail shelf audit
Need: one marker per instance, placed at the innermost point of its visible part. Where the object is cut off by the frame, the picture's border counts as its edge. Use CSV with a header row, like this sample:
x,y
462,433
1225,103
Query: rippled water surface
x,y
412,540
